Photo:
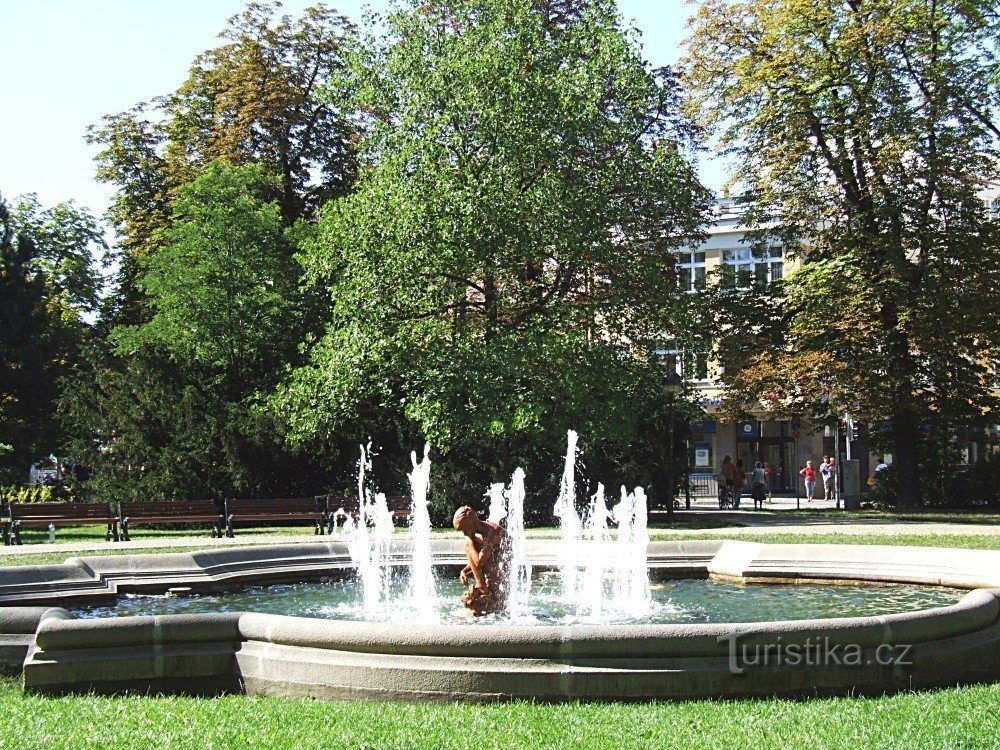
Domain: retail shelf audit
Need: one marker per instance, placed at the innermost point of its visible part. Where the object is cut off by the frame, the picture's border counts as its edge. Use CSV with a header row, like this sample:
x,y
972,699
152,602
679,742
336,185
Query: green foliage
x,y
33,346
505,265
31,493
223,289
981,483
68,241
250,100
167,412
867,130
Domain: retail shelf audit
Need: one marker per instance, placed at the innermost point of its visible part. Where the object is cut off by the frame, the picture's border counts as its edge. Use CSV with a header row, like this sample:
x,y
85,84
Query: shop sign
x,y
702,454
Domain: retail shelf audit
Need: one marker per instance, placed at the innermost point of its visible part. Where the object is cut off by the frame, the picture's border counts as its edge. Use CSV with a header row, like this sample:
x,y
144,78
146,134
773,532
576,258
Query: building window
x,y
688,364
749,267
691,271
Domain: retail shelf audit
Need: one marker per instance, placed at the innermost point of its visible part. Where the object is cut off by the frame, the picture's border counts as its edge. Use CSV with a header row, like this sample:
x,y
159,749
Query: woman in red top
x,y
810,476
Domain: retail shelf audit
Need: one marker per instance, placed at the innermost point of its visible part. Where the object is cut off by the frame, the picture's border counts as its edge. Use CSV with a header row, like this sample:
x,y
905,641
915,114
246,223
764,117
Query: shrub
x,y
33,493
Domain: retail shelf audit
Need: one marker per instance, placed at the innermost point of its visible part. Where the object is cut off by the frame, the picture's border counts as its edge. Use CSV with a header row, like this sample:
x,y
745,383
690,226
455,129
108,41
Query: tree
x,y
505,265
27,357
223,289
863,132
174,411
252,99
68,242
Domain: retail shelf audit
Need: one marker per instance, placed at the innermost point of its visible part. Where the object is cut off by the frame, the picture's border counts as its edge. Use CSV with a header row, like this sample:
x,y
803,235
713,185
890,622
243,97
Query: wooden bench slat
x,y
145,512
400,506
246,510
41,515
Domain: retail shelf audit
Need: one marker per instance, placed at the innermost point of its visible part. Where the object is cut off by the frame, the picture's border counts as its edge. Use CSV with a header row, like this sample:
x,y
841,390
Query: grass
x,y
965,541
958,515
96,533
955,718
56,558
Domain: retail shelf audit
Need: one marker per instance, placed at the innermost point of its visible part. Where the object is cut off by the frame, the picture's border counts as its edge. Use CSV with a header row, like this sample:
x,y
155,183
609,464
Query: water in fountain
x,y
422,591
570,526
631,591
369,541
596,537
586,553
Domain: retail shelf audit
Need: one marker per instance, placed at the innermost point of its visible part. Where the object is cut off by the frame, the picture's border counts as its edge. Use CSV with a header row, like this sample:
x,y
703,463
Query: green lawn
x,y
968,541
956,718
990,517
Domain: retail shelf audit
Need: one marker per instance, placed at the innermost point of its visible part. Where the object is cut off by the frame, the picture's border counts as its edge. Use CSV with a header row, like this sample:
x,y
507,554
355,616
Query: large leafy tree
x,y
27,375
505,264
251,99
863,131
173,413
50,286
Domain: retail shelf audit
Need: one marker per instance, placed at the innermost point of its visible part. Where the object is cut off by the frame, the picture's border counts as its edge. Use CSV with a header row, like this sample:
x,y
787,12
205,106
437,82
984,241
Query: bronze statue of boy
x,y
488,552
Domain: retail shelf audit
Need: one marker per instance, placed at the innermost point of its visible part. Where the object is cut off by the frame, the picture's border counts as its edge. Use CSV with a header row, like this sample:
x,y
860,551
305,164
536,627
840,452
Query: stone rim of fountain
x,y
275,654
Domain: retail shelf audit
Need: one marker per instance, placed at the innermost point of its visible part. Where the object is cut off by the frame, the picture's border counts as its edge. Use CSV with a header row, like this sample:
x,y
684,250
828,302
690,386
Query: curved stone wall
x,y
277,655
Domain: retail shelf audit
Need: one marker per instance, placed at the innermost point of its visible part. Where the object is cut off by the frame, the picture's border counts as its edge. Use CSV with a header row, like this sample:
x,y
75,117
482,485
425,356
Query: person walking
x,y
728,474
758,486
826,472
809,474
741,482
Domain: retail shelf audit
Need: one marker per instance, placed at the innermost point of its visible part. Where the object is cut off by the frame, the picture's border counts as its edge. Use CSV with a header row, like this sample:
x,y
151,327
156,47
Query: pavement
x,y
774,518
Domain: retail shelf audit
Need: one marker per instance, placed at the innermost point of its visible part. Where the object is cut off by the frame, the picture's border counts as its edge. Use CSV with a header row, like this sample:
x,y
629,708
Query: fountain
x,y
588,554
598,632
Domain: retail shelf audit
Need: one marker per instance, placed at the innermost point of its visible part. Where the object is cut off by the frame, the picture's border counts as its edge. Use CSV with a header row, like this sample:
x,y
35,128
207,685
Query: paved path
x,y
750,523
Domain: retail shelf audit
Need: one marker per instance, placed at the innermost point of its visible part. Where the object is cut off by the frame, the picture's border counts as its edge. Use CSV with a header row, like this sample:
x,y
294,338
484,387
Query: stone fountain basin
x,y
261,654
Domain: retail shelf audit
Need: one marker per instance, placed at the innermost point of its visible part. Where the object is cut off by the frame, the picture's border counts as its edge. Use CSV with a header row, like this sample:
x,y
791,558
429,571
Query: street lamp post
x,y
672,385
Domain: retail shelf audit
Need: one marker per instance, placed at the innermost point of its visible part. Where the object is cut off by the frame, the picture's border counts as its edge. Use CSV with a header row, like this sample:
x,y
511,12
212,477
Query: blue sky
x,y
65,63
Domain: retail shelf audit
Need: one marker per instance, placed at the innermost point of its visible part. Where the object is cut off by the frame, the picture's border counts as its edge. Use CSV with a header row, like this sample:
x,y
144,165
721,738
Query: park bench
x,y
283,510
401,507
42,515
149,513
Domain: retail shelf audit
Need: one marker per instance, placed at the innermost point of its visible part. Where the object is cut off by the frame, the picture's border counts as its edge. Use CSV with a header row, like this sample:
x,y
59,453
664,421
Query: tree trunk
x,y
904,436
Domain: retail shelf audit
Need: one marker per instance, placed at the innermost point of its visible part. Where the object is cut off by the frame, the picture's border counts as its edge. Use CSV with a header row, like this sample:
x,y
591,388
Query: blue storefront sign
x,y
703,428
749,429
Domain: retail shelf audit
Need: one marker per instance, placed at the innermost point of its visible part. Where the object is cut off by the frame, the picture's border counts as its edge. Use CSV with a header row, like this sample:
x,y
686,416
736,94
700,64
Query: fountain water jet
x,y
422,592
631,592
370,547
570,526
597,537
519,584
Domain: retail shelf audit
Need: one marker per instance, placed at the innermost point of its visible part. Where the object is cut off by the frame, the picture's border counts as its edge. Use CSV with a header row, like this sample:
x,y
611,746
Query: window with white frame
x,y
691,270
688,364
747,267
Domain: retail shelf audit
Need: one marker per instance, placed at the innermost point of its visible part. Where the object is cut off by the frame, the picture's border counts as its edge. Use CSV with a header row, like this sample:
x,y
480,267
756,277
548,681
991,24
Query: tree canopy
x,y
48,281
251,99
863,133
504,267
169,411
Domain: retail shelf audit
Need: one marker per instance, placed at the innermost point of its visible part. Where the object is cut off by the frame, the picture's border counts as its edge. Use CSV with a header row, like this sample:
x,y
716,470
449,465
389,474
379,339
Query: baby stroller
x,y
727,494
